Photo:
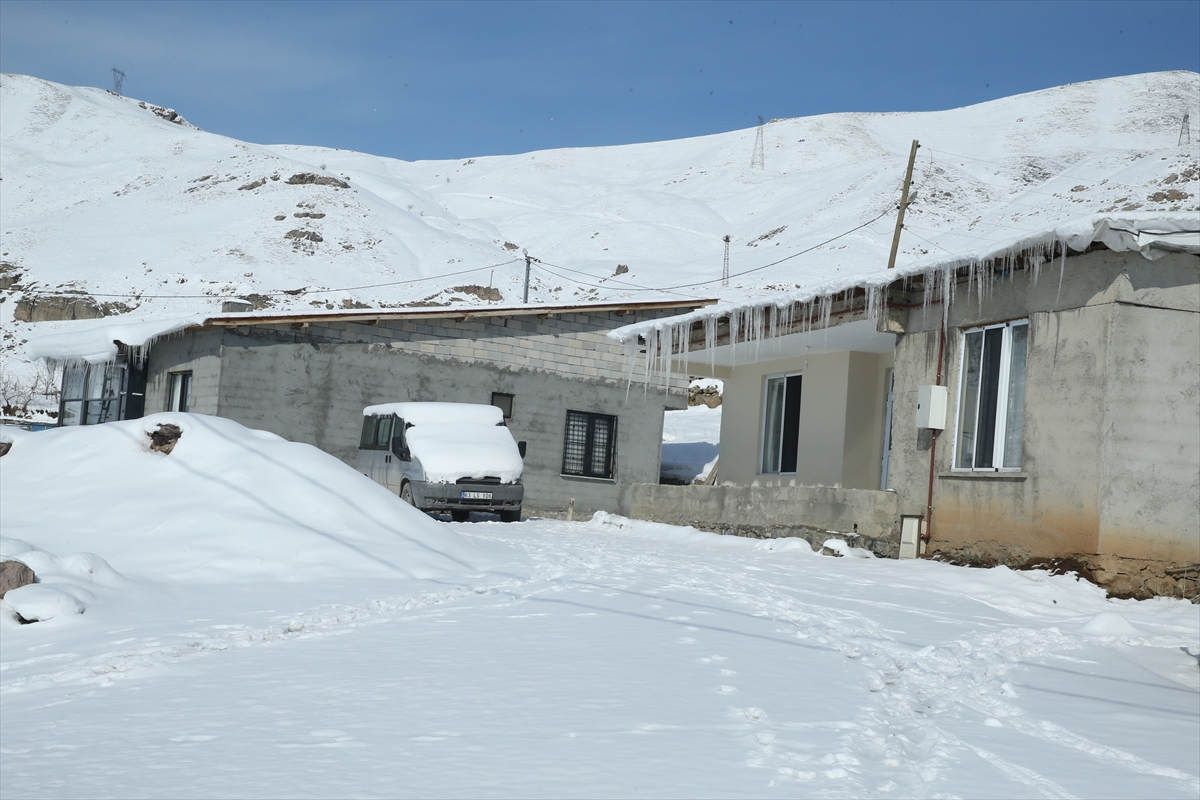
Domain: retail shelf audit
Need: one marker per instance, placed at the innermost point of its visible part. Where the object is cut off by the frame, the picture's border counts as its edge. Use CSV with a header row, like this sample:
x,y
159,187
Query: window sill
x,y
587,478
985,476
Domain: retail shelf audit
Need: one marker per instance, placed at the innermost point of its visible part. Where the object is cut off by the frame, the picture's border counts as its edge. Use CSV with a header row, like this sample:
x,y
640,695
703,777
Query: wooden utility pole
x,y
912,157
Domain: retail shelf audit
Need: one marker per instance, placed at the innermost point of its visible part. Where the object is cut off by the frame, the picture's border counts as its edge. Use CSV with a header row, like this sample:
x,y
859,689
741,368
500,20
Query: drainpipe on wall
x,y
927,533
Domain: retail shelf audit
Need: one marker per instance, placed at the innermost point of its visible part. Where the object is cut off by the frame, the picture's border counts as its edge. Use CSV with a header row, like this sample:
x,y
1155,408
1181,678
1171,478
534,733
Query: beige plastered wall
x,y
840,441
1111,444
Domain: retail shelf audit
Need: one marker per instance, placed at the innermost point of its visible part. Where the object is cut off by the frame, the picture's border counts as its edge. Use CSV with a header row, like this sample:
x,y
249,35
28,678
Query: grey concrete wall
x,y
315,393
864,518
310,384
1150,456
569,344
199,352
1111,445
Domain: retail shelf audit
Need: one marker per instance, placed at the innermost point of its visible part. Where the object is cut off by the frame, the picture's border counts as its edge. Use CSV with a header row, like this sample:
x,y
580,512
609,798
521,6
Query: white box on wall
x,y
931,407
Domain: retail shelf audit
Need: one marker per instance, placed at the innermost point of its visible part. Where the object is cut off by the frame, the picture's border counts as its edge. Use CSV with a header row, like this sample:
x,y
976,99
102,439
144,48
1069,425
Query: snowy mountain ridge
x,y
107,196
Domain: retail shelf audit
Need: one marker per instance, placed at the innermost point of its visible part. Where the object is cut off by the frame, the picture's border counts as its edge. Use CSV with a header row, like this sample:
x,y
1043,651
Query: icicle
x,y
651,347
874,303
710,341
1062,267
735,324
631,362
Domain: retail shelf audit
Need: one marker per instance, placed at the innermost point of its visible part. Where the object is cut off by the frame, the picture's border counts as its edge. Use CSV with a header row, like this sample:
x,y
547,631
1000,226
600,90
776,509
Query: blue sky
x,y
450,80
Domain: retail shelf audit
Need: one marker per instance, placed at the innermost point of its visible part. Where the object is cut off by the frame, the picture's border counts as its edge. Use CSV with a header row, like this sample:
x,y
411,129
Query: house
x,y
563,384
1036,404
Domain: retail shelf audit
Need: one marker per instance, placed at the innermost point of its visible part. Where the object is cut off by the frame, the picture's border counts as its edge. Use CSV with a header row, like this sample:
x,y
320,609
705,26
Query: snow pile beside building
x,y
226,505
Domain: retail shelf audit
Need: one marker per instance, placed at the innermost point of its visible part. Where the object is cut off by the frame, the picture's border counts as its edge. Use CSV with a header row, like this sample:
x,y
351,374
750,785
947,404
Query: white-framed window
x,y
991,397
179,393
781,424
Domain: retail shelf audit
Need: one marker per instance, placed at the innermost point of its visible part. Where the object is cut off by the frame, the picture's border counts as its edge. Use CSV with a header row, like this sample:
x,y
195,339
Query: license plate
x,y
476,495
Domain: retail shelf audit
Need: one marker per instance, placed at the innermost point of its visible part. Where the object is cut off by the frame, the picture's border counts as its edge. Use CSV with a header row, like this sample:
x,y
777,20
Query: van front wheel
x,y
511,516
406,493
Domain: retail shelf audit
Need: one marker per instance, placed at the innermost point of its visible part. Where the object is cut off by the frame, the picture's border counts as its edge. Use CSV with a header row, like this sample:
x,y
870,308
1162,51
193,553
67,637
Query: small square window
x,y
504,402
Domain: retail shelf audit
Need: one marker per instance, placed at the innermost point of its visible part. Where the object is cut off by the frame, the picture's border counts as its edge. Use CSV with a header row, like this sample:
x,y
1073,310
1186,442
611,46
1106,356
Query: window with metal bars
x,y
590,445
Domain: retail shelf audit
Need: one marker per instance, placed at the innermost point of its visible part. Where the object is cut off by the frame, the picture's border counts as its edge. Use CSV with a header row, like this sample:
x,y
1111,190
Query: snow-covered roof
x,y
1152,234
96,341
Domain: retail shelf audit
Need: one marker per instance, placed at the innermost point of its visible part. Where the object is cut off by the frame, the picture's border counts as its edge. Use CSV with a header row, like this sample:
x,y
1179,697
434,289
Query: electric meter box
x,y
931,407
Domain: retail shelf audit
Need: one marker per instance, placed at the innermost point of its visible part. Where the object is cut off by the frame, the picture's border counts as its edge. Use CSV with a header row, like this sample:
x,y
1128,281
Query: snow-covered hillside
x,y
105,196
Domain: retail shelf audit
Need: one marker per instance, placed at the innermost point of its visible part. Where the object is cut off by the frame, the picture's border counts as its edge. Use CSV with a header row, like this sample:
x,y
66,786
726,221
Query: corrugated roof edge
x,y
459,313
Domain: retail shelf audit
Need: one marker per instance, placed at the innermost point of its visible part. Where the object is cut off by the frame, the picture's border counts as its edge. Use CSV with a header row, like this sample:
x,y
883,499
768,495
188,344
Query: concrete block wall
x,y
201,354
310,384
315,393
570,344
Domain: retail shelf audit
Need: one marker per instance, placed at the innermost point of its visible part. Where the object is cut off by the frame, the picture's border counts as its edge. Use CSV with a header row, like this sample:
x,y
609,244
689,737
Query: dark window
x,y
504,402
367,440
383,433
781,424
179,396
590,445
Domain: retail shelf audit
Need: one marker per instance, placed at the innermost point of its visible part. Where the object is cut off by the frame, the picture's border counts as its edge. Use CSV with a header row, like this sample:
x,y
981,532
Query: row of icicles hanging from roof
x,y
668,344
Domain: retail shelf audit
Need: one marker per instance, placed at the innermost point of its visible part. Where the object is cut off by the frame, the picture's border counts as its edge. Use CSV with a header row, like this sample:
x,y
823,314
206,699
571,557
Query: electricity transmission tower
x,y
725,269
1185,130
756,162
118,80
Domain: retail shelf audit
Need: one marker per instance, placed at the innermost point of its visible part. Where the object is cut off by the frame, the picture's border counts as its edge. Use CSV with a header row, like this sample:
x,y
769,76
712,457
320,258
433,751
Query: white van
x,y
456,457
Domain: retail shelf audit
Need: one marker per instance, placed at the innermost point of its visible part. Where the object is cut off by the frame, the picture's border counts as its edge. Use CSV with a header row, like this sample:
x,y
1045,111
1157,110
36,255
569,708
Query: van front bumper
x,y
467,496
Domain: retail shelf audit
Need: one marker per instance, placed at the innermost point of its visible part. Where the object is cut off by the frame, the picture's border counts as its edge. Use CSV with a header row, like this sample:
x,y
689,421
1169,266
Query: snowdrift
x,y
227,504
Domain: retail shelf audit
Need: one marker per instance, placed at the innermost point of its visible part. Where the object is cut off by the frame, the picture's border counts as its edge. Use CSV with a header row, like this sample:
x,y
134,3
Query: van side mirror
x,y
521,448
399,449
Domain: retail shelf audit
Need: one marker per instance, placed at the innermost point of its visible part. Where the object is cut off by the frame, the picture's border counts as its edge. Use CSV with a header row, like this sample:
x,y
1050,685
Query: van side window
x,y
383,433
399,445
367,440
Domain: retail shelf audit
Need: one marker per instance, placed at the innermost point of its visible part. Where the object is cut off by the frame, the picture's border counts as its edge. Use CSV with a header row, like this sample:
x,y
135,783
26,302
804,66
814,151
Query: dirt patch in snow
x,y
304,178
164,437
482,292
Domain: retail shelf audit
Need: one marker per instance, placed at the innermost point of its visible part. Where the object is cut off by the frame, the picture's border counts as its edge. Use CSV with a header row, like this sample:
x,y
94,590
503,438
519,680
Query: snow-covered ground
x,y
260,620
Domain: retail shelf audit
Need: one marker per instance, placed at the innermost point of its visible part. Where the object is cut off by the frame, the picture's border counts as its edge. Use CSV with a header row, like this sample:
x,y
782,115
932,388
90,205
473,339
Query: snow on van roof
x,y
440,413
